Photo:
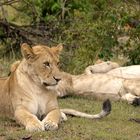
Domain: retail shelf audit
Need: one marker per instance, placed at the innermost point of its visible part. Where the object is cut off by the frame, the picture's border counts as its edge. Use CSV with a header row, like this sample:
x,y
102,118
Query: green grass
x,y
116,126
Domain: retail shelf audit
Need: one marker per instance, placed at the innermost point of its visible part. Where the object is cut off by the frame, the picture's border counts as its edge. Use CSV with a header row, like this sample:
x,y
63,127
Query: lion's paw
x,y
35,126
50,125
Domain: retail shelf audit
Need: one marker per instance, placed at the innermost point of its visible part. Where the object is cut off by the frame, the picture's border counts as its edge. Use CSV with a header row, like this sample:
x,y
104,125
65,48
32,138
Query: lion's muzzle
x,y
51,81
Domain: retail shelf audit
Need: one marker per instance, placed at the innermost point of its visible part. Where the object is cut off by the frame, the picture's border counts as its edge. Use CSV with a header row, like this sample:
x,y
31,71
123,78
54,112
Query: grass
x,y
116,126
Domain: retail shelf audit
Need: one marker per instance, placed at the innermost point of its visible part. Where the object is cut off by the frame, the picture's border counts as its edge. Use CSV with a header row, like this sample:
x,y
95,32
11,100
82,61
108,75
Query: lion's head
x,y
41,64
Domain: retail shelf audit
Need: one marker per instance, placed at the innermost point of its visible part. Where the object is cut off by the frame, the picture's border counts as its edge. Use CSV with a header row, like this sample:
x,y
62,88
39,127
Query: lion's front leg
x,y
52,120
29,120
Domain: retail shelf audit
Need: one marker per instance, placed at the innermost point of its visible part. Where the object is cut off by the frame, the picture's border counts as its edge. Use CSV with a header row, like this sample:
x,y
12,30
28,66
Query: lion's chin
x,y
50,86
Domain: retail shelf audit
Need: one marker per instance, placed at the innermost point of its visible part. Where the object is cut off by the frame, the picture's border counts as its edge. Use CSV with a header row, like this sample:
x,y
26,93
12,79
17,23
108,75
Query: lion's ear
x,y
57,50
27,52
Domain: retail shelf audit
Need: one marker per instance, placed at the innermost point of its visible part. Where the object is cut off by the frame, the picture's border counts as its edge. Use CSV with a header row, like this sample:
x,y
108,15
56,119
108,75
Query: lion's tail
x,y
106,109
136,102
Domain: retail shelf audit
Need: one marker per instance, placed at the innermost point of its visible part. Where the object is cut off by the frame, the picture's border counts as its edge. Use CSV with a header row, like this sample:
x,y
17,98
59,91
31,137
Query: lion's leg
x,y
129,98
29,120
52,119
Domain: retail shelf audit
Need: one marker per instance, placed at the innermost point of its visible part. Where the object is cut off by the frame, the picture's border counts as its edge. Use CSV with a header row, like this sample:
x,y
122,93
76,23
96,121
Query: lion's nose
x,y
57,79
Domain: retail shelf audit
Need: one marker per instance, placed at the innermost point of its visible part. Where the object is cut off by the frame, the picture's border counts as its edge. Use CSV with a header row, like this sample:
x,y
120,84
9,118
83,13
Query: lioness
x,y
101,67
29,93
108,80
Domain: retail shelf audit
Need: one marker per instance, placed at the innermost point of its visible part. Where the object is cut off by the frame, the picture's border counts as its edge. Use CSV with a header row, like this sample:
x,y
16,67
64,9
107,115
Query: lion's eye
x,y
46,64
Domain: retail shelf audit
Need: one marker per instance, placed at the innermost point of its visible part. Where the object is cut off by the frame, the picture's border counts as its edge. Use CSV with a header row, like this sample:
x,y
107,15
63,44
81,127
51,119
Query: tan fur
x,y
29,93
25,93
101,67
108,80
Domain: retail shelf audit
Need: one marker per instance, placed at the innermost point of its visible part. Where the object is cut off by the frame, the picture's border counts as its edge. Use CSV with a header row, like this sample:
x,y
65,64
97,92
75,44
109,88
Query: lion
x,y
104,80
101,67
108,80
29,93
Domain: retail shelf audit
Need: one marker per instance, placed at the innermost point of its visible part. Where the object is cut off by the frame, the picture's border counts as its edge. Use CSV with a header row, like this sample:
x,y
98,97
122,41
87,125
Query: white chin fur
x,y
51,87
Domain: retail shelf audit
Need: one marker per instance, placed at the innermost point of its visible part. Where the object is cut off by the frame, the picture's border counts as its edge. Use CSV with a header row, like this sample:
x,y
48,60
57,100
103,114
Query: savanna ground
x,y
89,30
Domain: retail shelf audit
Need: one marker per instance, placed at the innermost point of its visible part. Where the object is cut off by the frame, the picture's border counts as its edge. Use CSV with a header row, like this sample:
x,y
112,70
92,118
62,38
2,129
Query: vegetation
x,y
89,30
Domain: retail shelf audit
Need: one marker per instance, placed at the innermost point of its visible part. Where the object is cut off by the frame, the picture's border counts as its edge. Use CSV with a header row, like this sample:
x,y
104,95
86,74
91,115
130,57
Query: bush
x,y
89,30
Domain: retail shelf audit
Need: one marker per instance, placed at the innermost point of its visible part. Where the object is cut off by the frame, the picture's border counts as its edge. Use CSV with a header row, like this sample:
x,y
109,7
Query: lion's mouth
x,y
49,84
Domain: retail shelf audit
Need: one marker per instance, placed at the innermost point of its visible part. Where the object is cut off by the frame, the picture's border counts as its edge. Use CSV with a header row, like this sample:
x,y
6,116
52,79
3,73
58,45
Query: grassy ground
x,y
116,126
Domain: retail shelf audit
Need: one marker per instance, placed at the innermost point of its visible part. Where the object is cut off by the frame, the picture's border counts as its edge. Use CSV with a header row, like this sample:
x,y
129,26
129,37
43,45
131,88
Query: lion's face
x,y
43,64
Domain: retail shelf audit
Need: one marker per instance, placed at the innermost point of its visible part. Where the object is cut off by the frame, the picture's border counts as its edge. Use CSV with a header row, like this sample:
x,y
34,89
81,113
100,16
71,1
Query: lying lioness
x,y
29,93
108,80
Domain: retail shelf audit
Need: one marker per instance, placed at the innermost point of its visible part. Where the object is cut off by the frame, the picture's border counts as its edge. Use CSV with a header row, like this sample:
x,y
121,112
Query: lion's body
x,y
22,94
29,93
101,67
97,85
118,83
128,72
